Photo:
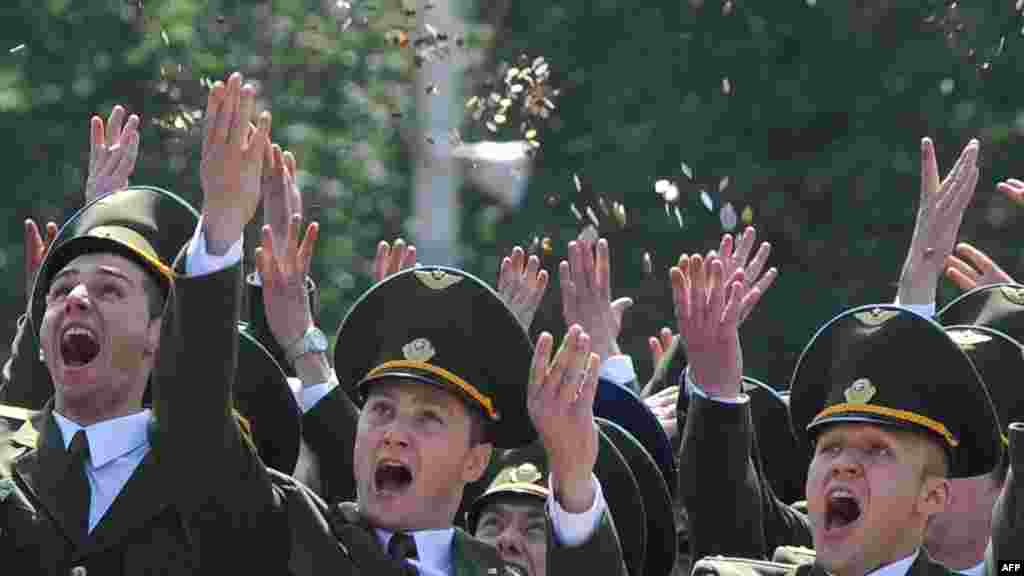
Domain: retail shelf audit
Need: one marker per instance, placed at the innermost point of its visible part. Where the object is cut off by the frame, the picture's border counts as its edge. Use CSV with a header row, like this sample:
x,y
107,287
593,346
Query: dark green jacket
x,y
200,502
733,512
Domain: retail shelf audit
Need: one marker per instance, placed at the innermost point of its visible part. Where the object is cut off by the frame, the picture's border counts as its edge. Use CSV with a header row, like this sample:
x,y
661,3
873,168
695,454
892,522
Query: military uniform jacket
x,y
600,555
200,502
718,566
733,511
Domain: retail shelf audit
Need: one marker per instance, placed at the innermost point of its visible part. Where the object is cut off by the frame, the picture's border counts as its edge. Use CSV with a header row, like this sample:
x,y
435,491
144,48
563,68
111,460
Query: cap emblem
x,y
1014,294
526,473
419,350
968,339
860,392
437,279
876,316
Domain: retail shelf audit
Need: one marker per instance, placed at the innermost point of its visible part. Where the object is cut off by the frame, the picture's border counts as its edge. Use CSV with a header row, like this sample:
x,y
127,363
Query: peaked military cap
x,y
523,472
783,457
887,365
265,400
150,226
624,407
999,306
445,327
999,360
661,547
145,224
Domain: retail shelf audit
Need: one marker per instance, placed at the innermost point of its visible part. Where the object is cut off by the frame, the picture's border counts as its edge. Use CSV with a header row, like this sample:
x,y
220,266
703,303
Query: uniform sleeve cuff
x,y
199,261
575,529
926,310
307,397
618,369
692,388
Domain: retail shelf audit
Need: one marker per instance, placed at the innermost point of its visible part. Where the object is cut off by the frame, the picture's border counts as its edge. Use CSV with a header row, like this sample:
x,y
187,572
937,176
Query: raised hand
x,y
522,287
586,296
970,268
707,308
659,344
1013,188
35,250
736,257
113,150
232,162
392,259
560,401
663,404
939,214
283,271
281,196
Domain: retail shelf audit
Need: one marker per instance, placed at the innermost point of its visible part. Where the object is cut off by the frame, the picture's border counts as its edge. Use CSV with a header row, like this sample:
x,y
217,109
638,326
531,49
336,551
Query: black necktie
x,y
74,488
402,547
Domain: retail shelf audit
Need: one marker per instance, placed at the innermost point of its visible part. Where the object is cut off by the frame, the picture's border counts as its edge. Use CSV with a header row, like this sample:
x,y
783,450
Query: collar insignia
x,y
419,350
860,392
437,279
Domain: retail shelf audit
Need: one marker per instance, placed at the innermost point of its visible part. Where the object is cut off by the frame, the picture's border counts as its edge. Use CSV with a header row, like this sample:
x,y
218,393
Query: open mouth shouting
x,y
391,477
79,346
843,510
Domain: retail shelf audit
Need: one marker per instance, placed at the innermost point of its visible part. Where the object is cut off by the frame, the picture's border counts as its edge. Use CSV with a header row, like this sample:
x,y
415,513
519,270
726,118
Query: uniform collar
x,y
897,568
109,439
434,547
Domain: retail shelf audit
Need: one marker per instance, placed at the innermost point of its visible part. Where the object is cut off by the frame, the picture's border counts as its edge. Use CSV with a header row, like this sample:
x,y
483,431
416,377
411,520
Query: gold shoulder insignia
x,y
968,339
876,316
437,279
860,392
419,350
1014,294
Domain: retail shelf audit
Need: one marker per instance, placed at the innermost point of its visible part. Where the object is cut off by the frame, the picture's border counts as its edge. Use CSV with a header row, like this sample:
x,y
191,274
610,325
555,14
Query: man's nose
x,y
78,298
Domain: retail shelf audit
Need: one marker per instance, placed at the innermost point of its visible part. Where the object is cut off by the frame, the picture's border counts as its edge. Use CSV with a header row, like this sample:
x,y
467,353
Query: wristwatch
x,y
313,341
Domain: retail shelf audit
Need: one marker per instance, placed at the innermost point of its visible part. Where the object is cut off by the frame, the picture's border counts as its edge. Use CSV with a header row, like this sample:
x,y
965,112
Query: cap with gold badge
x,y
1000,361
150,226
523,473
887,365
445,327
999,306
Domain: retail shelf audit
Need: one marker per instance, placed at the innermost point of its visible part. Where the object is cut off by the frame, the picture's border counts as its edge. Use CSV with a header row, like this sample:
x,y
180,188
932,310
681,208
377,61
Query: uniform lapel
x,y
40,470
144,496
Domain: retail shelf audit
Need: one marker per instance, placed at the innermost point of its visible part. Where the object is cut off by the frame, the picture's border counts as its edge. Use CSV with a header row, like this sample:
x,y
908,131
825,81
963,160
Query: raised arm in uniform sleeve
x,y
586,542
329,429
731,508
1008,514
231,508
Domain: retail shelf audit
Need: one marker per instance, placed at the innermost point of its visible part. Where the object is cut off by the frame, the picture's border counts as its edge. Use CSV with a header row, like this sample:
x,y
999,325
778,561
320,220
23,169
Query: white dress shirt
x,y
117,446
434,547
897,568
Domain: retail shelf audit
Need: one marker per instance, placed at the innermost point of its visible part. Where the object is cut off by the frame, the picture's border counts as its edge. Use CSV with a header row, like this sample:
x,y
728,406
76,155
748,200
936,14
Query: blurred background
x,y
801,117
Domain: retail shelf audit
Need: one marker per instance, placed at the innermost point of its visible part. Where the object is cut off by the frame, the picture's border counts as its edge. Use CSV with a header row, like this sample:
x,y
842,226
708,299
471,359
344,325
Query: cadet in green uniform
x,y
510,514
891,406
111,486
444,373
